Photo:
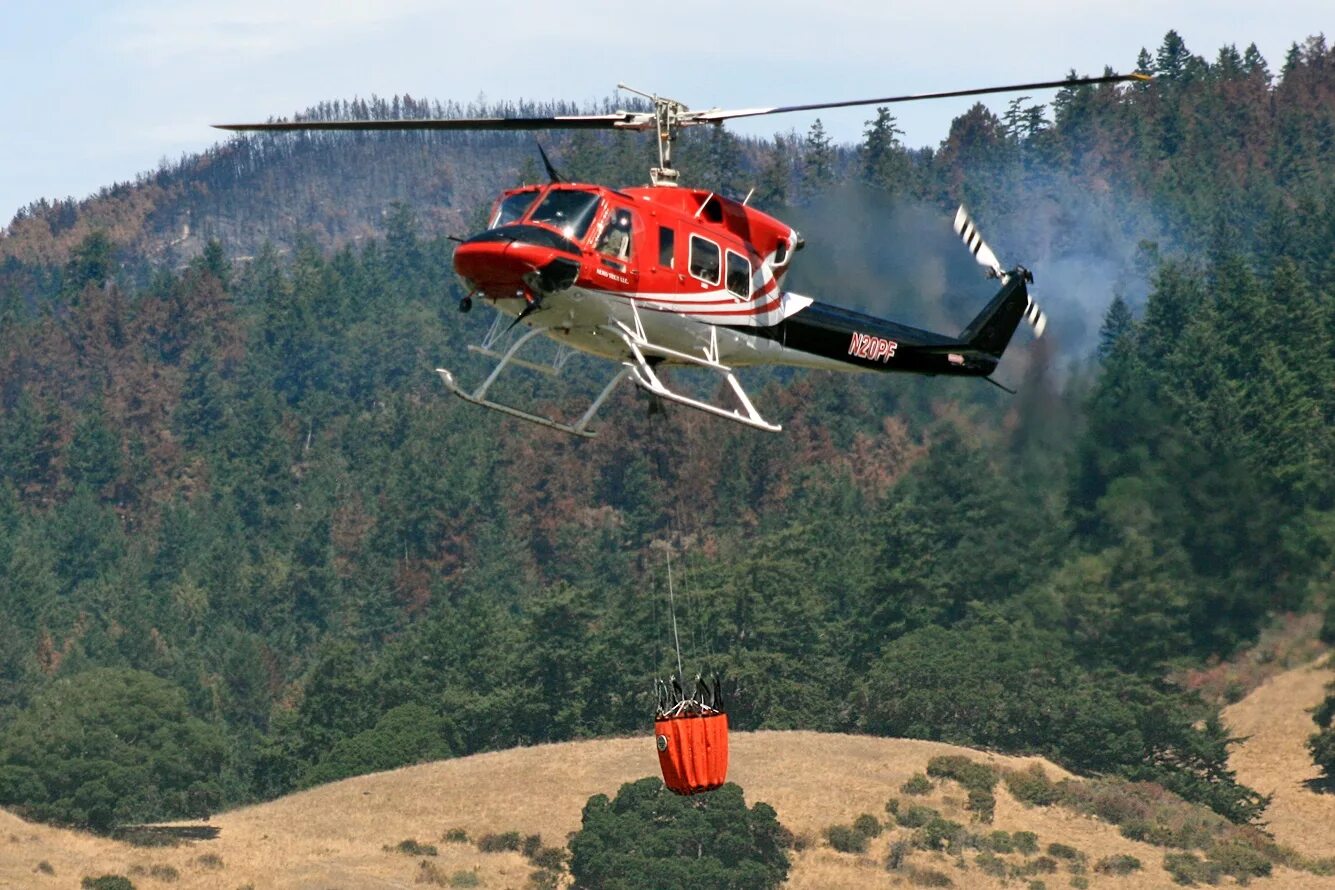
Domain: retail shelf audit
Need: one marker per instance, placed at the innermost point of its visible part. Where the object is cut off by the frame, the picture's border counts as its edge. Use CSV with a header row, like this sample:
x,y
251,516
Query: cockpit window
x,y
511,208
569,212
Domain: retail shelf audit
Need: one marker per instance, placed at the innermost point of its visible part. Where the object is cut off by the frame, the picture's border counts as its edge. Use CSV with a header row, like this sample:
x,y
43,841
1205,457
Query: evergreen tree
x,y
107,747
884,161
817,159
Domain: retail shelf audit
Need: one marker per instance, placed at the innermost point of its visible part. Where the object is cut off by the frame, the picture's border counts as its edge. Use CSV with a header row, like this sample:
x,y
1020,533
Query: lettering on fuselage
x,y
872,348
597,270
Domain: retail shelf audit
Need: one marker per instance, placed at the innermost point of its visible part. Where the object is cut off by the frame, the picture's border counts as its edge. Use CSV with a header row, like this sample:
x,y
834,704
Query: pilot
x,y
616,238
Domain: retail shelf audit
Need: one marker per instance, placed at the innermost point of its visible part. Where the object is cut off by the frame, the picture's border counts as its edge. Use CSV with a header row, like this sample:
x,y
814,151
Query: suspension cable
x,y
672,604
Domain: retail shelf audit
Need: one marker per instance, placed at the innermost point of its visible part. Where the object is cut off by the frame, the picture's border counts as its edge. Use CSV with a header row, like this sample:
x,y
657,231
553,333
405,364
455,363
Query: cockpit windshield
x,y
511,208
568,211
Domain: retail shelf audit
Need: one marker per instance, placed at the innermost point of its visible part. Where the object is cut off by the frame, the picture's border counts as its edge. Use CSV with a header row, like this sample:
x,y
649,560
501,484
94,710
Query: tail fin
x,y
994,326
992,330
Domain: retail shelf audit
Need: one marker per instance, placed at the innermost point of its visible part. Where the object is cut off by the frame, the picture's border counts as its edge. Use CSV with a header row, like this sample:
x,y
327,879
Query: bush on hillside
x,y
917,785
846,839
648,836
107,882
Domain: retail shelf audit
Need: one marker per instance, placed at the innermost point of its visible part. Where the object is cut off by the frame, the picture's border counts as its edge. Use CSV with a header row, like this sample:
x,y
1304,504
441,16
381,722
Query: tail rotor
x,y
967,229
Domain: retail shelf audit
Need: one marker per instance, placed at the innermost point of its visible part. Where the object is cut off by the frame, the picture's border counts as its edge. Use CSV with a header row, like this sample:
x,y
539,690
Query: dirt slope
x,y
335,836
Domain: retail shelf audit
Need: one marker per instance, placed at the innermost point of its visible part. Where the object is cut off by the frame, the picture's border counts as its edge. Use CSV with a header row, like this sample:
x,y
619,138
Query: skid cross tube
x,y
644,376
479,395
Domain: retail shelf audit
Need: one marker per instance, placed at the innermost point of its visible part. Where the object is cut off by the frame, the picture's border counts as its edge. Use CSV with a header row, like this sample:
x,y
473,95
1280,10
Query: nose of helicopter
x,y
501,262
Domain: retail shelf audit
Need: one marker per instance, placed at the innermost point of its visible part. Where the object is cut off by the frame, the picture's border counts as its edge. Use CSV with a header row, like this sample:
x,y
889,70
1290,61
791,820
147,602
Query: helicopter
x,y
664,275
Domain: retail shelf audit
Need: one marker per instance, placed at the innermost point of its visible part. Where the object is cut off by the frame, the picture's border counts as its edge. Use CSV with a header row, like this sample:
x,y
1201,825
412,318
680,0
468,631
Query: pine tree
x,y
884,160
1171,60
817,159
1118,323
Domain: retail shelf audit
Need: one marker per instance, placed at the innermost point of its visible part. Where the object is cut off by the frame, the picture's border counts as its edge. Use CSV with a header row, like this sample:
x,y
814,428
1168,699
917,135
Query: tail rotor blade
x,y
1035,316
967,229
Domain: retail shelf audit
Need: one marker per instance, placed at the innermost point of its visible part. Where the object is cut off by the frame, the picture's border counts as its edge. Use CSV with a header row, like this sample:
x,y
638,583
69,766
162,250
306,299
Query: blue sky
x,y
97,92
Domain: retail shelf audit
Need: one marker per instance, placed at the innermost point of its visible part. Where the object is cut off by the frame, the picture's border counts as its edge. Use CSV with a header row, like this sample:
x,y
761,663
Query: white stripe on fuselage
x,y
581,318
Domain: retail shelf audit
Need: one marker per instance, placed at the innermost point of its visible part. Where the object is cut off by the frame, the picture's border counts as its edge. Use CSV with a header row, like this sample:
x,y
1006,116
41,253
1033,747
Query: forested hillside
x,y
248,544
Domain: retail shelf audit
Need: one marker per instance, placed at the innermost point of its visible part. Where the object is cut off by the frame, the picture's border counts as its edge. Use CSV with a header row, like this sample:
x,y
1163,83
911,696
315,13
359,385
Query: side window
x,y
739,275
667,246
704,259
615,242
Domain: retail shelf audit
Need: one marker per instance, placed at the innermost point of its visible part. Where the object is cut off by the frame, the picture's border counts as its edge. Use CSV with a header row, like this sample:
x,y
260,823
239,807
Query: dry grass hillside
x,y
1273,759
347,834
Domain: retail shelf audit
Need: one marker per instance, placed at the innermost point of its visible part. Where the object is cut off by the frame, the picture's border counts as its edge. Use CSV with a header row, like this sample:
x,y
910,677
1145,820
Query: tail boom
x,y
841,338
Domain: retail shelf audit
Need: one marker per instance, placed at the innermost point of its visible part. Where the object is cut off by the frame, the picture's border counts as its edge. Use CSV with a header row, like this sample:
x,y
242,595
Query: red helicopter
x,y
663,275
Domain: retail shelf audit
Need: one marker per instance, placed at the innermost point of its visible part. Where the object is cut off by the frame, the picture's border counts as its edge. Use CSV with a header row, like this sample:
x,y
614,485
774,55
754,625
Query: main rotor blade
x,y
645,120
717,116
617,120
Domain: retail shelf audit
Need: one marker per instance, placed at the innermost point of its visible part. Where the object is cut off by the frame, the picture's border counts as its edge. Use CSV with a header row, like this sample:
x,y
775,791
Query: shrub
x,y
846,839
1044,865
45,868
496,843
938,834
917,785
1080,883
411,847
430,873
999,842
1121,864
1147,832
209,861
1240,860
899,851
551,858
867,824
969,773
465,879
990,864
929,877
983,803
455,836
917,816
1036,885
107,882
1121,802
530,845
545,879
892,806
165,873
1025,842
1032,787
1063,851
1188,868
647,832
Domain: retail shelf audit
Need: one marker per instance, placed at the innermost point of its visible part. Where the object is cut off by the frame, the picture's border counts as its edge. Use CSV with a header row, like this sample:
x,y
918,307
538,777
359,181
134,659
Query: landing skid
x,y
642,372
640,369
479,395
